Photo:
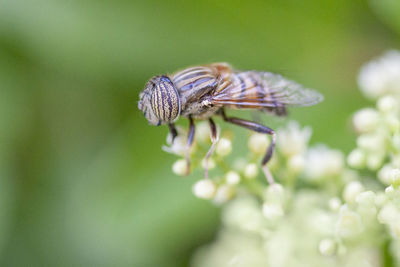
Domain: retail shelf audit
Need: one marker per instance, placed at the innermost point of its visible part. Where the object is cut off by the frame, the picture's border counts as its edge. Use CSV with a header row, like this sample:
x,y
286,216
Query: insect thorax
x,y
199,110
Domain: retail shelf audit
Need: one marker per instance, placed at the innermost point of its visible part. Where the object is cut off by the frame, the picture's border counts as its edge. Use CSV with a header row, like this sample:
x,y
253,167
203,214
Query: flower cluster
x,y
324,209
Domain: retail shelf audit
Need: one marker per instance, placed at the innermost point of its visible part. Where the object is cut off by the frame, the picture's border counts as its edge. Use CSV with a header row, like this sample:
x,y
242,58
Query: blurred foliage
x,y
83,178
389,11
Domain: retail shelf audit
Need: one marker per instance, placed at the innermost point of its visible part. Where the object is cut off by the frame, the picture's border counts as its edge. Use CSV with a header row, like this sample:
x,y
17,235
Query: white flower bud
x,y
381,76
272,211
179,167
211,163
366,203
293,140
334,204
349,176
223,194
349,223
372,142
396,141
356,158
204,189
395,177
389,214
389,190
203,132
232,178
322,162
387,104
366,120
243,213
258,143
275,193
393,123
224,147
251,170
239,164
351,191
374,161
178,147
366,198
296,163
380,199
384,174
327,247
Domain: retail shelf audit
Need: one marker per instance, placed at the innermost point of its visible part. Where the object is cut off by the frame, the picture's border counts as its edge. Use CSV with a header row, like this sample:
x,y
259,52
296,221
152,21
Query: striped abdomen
x,y
249,90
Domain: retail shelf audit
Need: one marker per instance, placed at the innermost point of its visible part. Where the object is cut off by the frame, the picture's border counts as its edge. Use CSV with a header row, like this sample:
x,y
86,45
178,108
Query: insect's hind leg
x,y
173,131
260,129
214,140
189,144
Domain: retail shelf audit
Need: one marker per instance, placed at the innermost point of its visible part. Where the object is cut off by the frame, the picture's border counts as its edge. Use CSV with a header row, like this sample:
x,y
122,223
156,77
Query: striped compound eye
x,y
165,100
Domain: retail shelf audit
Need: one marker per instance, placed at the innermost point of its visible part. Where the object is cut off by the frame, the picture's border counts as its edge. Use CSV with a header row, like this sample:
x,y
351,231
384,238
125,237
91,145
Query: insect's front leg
x,y
214,140
260,129
189,143
173,131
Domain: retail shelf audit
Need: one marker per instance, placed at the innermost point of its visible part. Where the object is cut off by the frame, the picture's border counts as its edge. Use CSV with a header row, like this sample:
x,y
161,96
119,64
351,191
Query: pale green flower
x,y
381,76
204,189
224,147
318,211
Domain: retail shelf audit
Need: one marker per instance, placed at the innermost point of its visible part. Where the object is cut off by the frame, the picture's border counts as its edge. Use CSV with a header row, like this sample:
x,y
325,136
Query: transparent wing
x,y
263,89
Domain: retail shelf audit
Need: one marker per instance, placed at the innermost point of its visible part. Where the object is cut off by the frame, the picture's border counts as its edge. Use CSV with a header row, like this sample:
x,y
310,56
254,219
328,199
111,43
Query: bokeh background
x,y
83,181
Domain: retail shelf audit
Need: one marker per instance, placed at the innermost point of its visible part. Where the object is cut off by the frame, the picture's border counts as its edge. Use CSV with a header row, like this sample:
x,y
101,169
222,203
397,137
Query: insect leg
x,y
173,131
214,140
189,144
260,129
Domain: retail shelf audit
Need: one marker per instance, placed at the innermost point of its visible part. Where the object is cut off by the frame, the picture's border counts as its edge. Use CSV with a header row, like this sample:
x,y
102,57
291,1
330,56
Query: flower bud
x,y
387,104
272,211
224,147
223,194
334,204
366,203
349,223
323,162
296,163
389,190
380,199
381,76
371,142
366,120
275,193
239,164
393,123
293,140
389,214
374,161
356,158
251,170
258,143
366,198
204,189
396,141
178,147
351,191
211,163
384,174
232,178
395,177
203,132
327,247
179,167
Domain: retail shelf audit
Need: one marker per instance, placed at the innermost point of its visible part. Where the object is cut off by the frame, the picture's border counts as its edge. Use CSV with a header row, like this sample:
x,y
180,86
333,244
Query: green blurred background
x,y
83,181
